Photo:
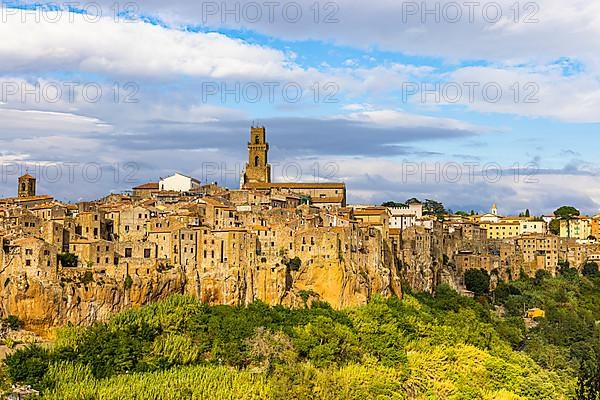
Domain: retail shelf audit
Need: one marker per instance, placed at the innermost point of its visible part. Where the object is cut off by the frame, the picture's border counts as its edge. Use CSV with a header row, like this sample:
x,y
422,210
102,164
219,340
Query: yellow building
x,y
576,228
510,227
536,313
502,230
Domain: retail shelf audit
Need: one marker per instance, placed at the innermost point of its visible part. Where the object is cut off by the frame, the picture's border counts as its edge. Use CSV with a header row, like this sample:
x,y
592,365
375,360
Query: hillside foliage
x,y
420,347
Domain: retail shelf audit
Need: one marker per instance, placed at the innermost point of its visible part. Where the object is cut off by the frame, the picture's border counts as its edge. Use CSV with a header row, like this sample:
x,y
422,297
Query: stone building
x,y
27,184
258,169
257,176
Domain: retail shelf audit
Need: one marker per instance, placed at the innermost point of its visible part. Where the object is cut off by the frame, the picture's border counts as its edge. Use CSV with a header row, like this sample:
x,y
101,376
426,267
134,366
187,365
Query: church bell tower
x,y
258,169
26,186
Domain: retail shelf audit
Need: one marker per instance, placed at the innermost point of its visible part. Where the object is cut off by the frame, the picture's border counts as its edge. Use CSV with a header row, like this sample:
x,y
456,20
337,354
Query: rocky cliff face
x,y
348,278
44,303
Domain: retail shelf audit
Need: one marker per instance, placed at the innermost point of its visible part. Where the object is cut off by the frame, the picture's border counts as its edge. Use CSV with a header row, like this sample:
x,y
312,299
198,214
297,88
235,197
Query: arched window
x,y
257,140
256,161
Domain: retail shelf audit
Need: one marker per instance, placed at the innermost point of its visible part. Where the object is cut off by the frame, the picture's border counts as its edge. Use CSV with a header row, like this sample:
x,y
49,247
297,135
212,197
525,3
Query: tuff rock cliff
x,y
362,267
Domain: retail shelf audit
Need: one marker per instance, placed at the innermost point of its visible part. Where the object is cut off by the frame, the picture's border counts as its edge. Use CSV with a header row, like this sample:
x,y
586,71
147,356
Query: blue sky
x,y
363,107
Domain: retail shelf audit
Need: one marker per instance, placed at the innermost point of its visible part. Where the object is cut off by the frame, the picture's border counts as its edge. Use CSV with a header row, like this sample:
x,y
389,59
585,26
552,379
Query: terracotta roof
x,y
370,211
297,185
169,229
149,186
338,199
26,199
214,203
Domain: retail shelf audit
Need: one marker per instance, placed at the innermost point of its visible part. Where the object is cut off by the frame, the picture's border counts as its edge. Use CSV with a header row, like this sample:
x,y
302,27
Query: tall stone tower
x,y
258,169
26,186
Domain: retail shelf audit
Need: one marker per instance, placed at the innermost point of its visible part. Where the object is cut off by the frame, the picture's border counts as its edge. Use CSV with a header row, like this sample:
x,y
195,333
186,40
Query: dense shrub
x,y
442,346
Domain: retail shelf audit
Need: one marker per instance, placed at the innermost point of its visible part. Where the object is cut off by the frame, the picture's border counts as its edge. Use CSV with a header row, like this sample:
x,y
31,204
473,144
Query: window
x,y
28,252
28,263
146,253
256,161
128,252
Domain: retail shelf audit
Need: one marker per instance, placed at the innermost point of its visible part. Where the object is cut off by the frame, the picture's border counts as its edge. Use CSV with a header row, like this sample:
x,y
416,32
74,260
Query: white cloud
x,y
532,92
390,25
396,118
34,120
137,49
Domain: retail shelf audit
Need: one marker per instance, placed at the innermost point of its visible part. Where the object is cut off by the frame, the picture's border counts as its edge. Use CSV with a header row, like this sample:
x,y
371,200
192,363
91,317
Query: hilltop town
x,y
281,243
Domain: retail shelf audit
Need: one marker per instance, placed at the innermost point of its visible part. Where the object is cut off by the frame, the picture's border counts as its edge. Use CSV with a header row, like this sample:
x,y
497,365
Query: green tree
x,y
588,387
393,204
29,365
590,269
554,227
68,260
541,275
477,281
432,207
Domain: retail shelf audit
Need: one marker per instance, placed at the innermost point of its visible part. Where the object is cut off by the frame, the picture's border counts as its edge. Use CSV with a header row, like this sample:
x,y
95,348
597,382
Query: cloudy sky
x,y
468,103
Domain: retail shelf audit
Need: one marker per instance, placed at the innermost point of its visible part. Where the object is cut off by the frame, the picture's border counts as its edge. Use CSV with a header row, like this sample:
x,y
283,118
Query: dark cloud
x,y
289,137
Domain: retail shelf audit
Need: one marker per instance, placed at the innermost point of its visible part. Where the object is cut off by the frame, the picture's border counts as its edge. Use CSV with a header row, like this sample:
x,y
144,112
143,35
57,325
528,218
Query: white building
x,y
178,183
405,217
530,226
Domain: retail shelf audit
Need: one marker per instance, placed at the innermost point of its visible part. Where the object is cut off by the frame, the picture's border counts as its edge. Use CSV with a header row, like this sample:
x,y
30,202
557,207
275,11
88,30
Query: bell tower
x,y
26,186
258,169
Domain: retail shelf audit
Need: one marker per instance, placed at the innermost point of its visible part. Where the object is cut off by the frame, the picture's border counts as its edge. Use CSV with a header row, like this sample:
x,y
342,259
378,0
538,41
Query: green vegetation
x,y
590,269
421,347
293,264
567,340
554,227
14,323
68,260
477,281
128,282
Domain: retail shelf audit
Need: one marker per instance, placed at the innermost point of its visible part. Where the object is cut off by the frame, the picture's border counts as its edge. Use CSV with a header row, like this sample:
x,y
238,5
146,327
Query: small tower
x,y
257,170
26,186
494,209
